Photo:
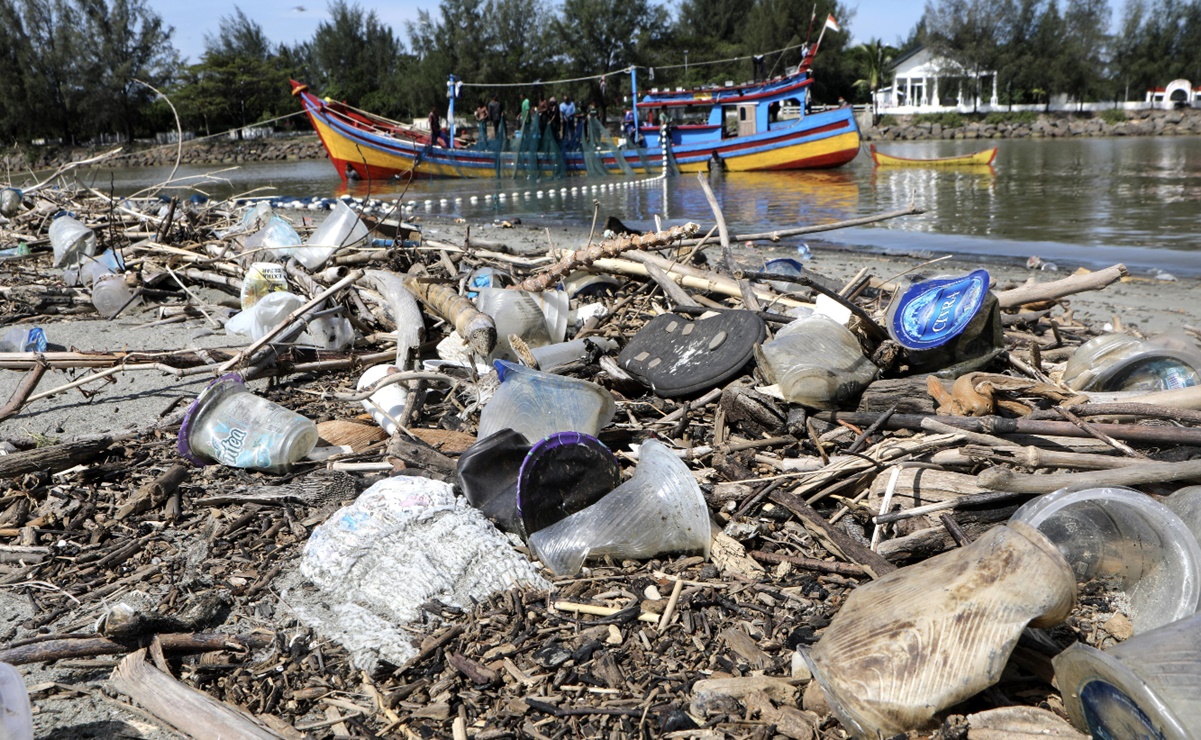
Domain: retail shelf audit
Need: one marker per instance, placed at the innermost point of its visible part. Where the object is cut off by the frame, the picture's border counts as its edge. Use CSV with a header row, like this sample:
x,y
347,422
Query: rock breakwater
x,y
1182,122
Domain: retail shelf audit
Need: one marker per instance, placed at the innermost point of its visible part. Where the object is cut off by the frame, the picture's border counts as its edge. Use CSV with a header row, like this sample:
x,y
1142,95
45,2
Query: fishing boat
x,y
975,159
755,126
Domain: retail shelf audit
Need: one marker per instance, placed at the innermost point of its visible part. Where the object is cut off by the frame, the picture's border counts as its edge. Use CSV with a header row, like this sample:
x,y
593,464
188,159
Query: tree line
x,y
79,69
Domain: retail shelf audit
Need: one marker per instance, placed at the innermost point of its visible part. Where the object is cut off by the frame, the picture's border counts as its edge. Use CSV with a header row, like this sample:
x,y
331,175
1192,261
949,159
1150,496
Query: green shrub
x,y
1113,116
1022,117
946,120
887,120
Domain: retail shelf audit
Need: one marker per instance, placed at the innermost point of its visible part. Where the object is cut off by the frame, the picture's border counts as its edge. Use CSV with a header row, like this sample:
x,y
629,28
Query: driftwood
x,y
1004,479
57,457
838,542
476,327
181,707
1054,290
572,261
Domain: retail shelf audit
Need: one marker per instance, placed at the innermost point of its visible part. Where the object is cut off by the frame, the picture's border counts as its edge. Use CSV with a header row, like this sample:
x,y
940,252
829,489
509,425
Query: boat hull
x,y
983,157
819,140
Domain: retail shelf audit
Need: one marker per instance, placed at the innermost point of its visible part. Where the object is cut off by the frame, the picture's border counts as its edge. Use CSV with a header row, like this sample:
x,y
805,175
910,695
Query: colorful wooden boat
x,y
982,157
738,127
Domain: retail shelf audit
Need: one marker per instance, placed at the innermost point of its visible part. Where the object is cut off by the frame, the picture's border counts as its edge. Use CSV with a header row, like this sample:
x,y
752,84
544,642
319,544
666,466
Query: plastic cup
x,y
342,228
110,293
72,241
1120,362
1146,687
784,266
817,362
1186,504
16,714
230,425
562,474
539,404
1129,542
659,510
387,404
514,312
10,202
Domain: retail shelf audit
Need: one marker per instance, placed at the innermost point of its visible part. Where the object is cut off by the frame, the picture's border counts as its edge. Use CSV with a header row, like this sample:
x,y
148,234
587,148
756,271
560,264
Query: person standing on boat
x,y
567,116
554,119
436,132
525,112
495,116
627,125
481,121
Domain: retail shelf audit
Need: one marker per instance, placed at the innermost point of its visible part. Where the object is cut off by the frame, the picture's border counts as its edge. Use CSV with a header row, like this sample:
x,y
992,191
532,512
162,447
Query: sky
x,y
291,21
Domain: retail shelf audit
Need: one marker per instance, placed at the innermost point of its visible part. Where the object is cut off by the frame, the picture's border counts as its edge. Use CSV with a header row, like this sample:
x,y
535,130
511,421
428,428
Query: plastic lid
x,y
214,390
561,475
931,313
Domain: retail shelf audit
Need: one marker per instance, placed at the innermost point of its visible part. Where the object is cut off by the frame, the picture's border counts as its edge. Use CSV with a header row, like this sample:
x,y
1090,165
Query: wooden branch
x,y
839,543
155,492
670,287
1057,289
56,457
609,248
475,327
19,396
183,708
90,647
1003,479
821,566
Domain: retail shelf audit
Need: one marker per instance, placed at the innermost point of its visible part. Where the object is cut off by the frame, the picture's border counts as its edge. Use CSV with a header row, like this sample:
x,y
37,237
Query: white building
x,y
1178,93
925,83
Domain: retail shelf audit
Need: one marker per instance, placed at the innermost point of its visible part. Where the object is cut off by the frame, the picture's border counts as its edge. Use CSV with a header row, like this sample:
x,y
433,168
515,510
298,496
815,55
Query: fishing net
x,y
538,153
598,145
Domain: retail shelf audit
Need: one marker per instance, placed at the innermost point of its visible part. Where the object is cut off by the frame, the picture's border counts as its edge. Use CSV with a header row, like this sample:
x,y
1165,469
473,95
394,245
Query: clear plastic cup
x,y
10,202
1186,504
1130,543
539,404
817,362
23,339
515,312
110,292
1120,362
342,228
661,509
72,241
277,240
1146,687
228,424
16,713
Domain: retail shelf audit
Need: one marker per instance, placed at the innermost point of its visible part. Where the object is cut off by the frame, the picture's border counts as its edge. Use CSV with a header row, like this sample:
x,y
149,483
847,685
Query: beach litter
x,y
611,488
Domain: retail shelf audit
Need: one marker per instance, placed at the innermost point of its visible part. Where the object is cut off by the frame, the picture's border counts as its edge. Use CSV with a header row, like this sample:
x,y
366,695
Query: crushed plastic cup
x,y
951,325
1120,362
538,404
277,240
71,240
817,362
341,229
16,713
659,510
10,202
111,292
23,339
1145,687
230,425
1127,541
516,312
262,278
930,635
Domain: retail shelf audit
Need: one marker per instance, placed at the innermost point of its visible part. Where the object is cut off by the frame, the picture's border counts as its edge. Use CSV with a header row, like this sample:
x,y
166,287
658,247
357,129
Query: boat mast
x,y
634,100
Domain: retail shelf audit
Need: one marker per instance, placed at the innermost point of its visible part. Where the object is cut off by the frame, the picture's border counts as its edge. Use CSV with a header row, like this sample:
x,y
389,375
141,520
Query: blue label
x,y
1112,715
930,314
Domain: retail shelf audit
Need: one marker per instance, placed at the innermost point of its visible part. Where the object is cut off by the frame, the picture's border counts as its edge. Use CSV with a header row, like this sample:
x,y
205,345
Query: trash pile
x,y
637,487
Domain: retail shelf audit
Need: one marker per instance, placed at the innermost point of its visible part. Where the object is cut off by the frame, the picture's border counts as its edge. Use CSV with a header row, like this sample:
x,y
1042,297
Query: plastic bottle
x,y
342,228
23,339
817,362
387,404
576,349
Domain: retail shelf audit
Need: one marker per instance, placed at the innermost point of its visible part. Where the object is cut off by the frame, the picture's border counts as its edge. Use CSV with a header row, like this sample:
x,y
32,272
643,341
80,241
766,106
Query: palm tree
x,y
872,59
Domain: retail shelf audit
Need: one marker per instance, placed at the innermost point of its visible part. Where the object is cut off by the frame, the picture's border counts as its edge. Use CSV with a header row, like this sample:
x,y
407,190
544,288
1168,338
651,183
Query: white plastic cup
x,y
16,713
110,292
228,424
72,241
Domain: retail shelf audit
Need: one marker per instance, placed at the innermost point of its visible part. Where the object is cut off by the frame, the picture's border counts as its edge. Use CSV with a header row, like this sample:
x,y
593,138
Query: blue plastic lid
x,y
933,312
35,341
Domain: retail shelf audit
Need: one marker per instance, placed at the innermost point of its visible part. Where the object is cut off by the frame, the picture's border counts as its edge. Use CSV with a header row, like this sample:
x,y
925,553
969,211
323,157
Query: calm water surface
x,y
1076,201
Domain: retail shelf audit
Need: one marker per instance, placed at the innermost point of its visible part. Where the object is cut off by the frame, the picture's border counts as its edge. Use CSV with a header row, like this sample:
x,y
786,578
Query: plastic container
x,y
951,325
16,714
516,312
342,228
90,268
1146,687
576,349
659,510
71,240
23,339
538,404
1129,542
262,278
230,425
817,362
928,636
1120,362
784,266
110,292
10,202
387,404
263,316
